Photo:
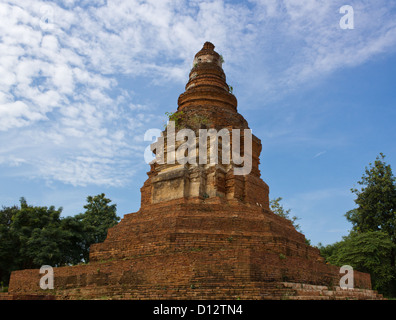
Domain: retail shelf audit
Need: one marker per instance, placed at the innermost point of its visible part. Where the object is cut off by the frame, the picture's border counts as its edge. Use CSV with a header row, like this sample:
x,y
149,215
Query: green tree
x,y
371,245
367,252
35,231
7,243
328,250
73,230
278,209
376,201
98,217
32,236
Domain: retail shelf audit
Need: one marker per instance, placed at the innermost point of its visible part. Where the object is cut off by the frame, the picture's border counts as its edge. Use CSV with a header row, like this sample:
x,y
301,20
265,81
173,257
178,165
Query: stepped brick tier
x,y
202,231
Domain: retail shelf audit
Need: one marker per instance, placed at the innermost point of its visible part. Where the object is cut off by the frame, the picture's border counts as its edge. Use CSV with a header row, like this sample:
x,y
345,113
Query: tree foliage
x,y
98,217
278,209
367,252
32,236
376,200
371,245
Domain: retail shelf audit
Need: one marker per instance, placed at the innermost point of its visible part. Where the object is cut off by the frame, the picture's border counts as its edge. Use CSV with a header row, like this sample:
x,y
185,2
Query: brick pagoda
x,y
202,232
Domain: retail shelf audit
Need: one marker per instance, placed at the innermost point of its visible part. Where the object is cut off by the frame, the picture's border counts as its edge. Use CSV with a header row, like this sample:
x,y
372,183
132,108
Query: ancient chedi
x,y
202,232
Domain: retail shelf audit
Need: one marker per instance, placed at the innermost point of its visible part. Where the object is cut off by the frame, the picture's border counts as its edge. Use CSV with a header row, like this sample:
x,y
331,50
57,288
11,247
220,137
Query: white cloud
x,y
60,88
309,44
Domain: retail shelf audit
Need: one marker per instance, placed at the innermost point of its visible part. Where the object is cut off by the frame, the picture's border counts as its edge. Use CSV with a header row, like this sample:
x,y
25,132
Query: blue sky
x,y
82,81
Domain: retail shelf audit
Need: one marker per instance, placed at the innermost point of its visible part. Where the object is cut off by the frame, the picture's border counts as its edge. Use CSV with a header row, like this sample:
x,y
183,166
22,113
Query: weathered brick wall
x,y
159,228
224,274
193,250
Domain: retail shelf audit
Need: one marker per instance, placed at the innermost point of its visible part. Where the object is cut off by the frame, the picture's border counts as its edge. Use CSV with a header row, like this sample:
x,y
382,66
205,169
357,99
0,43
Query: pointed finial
x,y
208,46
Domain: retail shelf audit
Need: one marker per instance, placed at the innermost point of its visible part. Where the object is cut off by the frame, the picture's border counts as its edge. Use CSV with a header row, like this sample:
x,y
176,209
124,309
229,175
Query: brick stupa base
x,y
202,232
198,251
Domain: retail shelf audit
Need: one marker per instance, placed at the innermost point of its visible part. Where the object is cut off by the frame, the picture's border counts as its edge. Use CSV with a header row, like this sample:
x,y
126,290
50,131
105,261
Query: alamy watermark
x,y
47,281
347,281
347,21
194,150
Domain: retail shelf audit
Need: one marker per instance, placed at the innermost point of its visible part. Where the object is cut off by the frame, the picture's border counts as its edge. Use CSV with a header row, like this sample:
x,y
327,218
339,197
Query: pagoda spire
x,y
207,82
206,108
